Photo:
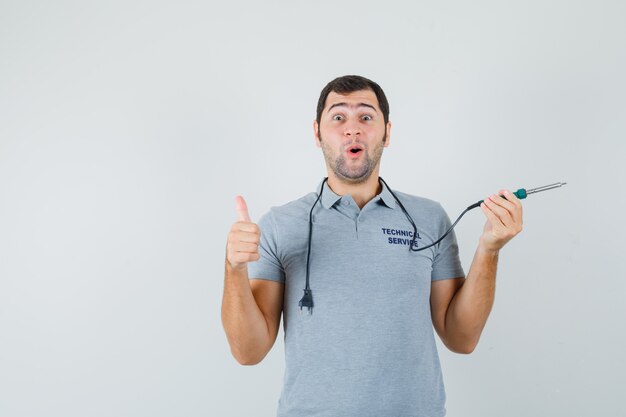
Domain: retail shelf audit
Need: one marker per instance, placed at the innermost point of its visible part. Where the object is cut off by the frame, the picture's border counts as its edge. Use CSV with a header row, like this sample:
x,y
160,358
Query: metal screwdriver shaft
x,y
545,187
522,192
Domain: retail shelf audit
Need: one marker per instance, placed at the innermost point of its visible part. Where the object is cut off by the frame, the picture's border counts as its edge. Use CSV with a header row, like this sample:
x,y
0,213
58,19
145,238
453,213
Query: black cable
x,y
307,299
406,213
414,242
473,206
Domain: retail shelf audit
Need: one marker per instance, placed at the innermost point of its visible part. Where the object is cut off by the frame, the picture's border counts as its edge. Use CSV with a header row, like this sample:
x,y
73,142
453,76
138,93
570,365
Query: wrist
x,y
237,267
487,248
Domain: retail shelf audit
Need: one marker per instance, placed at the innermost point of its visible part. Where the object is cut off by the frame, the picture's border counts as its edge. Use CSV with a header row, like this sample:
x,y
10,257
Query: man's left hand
x,y
504,220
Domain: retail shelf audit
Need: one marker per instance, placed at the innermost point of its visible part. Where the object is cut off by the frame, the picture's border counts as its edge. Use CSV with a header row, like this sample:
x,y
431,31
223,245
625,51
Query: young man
x,y
368,347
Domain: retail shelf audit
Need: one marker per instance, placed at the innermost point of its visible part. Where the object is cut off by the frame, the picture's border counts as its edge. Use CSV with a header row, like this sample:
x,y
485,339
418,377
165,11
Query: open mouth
x,y
355,150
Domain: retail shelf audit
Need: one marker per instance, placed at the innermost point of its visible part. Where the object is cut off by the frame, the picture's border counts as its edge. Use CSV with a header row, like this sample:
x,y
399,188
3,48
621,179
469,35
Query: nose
x,y
352,130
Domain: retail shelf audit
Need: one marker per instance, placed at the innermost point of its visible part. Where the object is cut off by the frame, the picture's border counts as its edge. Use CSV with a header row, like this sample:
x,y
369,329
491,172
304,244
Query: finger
x,y
501,212
241,226
508,194
502,208
516,213
491,216
245,231
245,247
245,236
502,199
242,209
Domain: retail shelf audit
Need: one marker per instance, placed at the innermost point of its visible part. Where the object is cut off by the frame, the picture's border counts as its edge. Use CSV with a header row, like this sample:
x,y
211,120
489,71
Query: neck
x,y
361,193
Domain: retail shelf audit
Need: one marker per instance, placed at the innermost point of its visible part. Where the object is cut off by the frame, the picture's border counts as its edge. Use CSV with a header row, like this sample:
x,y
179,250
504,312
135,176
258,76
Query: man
x,y
367,348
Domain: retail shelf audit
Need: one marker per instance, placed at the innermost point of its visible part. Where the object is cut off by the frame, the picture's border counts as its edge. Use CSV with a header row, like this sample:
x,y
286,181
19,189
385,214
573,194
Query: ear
x,y
388,131
316,132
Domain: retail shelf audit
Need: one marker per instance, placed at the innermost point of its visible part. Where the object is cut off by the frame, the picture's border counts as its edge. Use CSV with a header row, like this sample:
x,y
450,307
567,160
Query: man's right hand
x,y
243,240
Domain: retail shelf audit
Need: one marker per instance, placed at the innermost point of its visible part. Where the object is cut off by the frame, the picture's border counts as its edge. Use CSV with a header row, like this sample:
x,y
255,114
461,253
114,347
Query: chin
x,y
355,180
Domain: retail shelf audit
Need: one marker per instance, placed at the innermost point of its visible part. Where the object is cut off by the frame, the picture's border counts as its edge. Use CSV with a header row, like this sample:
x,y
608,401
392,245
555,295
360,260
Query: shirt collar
x,y
329,197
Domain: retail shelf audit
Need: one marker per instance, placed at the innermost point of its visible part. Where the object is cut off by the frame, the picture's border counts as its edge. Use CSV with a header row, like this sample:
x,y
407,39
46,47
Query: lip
x,y
355,155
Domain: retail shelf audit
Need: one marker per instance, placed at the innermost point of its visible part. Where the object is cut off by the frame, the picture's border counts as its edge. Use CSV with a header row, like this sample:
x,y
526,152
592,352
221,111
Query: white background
x,y
127,128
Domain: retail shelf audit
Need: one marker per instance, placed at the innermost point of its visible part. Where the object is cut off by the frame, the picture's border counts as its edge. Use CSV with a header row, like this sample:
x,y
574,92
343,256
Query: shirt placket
x,y
348,208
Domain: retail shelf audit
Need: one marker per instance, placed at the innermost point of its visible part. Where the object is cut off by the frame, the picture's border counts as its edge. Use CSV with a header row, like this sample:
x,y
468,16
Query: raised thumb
x,y
242,209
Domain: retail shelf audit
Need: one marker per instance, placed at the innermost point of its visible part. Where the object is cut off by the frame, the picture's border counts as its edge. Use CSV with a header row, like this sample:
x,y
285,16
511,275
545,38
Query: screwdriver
x,y
522,193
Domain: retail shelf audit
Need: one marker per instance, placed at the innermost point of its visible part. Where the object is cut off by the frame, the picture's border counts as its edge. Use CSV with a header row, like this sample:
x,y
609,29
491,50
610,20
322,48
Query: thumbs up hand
x,y
242,245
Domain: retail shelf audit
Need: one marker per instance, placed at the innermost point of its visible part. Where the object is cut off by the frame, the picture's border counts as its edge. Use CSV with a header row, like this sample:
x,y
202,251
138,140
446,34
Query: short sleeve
x,y
268,266
446,263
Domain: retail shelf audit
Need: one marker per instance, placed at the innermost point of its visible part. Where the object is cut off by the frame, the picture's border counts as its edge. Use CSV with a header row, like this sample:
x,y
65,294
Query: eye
x,y
337,117
367,117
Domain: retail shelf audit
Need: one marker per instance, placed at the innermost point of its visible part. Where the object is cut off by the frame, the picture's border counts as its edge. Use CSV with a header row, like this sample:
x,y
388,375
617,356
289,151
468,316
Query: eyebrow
x,y
346,105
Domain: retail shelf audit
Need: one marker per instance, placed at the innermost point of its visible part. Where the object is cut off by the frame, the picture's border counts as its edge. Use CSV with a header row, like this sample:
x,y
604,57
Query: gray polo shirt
x,y
368,348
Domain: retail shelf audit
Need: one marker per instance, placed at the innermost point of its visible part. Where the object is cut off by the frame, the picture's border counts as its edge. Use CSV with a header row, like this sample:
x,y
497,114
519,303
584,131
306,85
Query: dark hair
x,y
349,84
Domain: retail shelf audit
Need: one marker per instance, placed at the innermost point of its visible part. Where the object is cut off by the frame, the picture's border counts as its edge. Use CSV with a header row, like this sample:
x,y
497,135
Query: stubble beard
x,y
359,174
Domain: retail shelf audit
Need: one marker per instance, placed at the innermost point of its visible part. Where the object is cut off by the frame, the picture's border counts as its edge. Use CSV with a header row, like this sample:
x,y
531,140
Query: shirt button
x,y
346,203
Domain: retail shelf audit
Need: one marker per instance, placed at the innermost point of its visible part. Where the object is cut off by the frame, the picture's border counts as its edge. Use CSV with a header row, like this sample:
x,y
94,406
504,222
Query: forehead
x,y
353,98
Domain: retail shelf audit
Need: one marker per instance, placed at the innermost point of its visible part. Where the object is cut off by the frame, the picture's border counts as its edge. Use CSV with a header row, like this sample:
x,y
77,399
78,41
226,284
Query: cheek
x,y
376,130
